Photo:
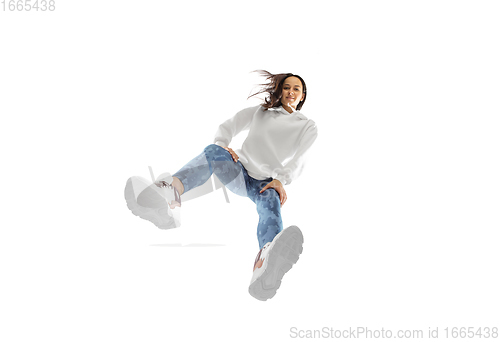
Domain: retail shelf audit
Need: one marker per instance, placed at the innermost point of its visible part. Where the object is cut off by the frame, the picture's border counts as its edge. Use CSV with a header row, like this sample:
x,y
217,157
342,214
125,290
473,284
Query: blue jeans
x,y
215,159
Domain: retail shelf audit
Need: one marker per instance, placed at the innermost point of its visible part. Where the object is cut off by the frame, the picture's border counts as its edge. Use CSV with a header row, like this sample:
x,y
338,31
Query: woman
x,y
272,156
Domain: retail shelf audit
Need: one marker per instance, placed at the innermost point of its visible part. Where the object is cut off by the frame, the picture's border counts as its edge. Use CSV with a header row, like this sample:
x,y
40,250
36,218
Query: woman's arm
x,y
294,167
231,127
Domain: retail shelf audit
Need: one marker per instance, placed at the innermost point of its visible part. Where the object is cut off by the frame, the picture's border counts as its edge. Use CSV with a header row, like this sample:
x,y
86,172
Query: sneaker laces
x,y
163,184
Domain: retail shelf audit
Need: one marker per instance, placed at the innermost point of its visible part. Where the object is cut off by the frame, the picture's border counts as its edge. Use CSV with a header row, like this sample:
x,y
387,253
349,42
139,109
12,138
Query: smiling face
x,y
292,92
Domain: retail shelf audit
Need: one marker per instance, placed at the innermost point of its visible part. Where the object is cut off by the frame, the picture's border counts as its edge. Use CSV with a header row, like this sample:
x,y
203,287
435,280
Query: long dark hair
x,y
274,89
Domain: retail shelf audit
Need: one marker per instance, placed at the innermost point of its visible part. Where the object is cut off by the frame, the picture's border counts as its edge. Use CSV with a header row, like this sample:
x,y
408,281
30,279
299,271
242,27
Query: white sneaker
x,y
148,201
273,261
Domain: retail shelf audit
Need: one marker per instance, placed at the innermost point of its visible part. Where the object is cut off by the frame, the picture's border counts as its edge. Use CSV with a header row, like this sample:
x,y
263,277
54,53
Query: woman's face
x,y
292,92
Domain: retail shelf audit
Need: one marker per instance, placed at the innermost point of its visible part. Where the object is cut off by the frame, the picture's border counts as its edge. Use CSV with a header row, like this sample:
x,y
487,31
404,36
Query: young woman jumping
x,y
272,156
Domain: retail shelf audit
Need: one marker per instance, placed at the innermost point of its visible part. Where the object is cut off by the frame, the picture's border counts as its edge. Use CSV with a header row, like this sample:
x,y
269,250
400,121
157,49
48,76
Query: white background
x,y
399,202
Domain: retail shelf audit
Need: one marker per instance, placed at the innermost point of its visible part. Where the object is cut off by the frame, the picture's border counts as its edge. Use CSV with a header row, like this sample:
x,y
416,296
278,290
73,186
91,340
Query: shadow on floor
x,y
188,245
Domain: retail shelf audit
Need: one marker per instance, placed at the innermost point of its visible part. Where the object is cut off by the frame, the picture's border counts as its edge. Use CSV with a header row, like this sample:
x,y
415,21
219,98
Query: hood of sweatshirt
x,y
297,113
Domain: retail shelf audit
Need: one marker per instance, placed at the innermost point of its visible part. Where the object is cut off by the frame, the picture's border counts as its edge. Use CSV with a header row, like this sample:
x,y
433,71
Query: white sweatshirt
x,y
276,144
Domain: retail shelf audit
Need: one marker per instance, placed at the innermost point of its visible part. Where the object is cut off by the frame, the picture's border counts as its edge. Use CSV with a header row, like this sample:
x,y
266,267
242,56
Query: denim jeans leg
x,y
213,159
269,210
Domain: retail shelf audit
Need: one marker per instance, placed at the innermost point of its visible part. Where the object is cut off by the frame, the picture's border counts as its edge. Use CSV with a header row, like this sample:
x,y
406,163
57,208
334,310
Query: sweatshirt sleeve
x,y
292,169
230,128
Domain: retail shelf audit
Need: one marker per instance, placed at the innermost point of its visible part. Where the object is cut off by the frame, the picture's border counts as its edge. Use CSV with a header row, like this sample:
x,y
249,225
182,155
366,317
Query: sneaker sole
x,y
160,217
284,254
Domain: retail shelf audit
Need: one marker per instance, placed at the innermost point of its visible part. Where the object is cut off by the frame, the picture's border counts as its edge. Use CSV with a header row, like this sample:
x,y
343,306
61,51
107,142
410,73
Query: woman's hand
x,y
233,154
276,185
